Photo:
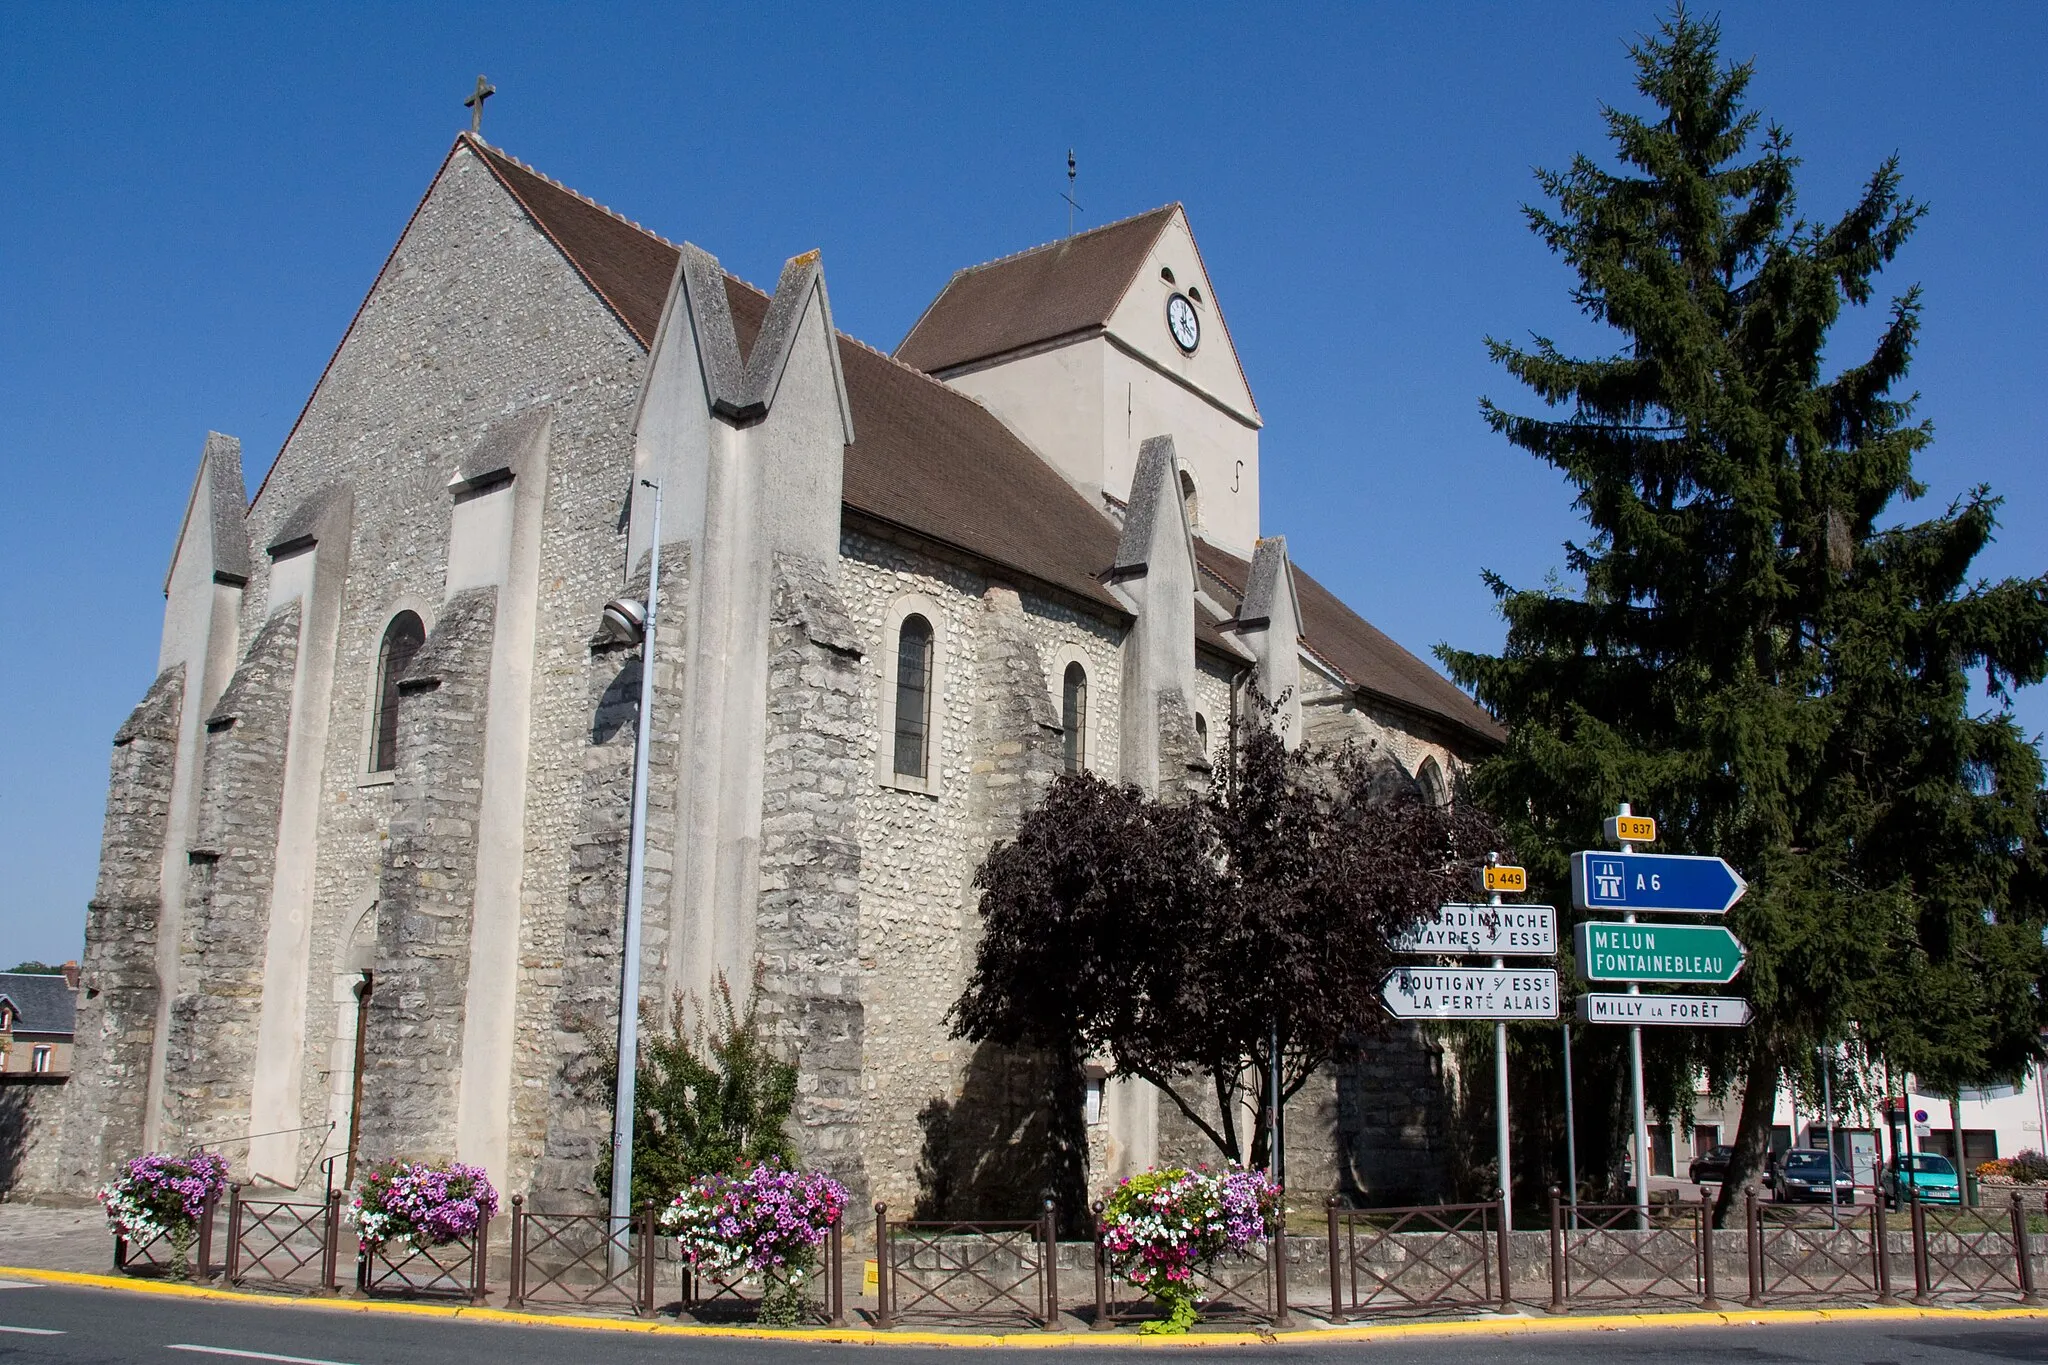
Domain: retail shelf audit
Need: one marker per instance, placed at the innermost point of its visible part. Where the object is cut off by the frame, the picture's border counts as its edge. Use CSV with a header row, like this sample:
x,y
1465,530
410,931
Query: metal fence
x,y
1971,1251
1420,1258
710,1296
283,1245
1797,1252
973,1273
1251,1285
458,1269
161,1256
573,1260
1622,1252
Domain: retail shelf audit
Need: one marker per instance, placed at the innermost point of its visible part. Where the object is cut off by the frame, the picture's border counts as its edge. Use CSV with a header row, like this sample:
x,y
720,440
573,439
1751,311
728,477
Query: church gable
x,y
1140,321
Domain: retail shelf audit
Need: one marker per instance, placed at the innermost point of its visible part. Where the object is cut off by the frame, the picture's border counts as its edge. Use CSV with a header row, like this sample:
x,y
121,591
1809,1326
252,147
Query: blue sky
x,y
199,195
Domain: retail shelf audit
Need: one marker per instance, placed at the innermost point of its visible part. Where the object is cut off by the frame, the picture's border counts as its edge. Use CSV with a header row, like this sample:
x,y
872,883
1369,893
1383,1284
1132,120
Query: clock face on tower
x,y
1182,322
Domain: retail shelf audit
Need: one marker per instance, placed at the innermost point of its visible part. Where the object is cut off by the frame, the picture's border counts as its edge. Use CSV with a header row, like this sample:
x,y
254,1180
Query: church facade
x,y
363,873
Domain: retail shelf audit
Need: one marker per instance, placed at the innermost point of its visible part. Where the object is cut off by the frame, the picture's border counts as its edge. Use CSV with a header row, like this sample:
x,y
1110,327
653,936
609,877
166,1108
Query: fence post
x,y
330,1245
515,1293
835,1254
1881,1251
648,1240
1753,1246
479,1284
1921,1276
1052,1267
2019,1246
1336,1280
231,1270
1281,1316
1708,1300
1559,1300
883,1317
204,1252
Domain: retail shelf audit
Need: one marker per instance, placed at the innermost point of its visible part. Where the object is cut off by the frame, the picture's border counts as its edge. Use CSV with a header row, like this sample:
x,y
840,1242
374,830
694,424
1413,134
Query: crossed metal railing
x,y
158,1254
967,1272
283,1245
567,1258
1609,1252
458,1269
1973,1251
1815,1253
1416,1258
1252,1284
710,1296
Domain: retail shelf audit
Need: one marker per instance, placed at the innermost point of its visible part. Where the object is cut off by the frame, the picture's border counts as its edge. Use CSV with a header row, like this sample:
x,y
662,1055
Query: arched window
x,y
1435,791
1190,498
1074,716
402,639
913,697
1202,733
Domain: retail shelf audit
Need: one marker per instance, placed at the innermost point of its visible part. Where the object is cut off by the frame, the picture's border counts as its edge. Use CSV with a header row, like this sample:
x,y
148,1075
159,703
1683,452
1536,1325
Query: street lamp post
x,y
625,618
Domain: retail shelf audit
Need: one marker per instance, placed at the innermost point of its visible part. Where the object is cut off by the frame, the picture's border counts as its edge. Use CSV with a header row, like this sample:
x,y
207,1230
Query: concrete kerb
x,y
1495,1324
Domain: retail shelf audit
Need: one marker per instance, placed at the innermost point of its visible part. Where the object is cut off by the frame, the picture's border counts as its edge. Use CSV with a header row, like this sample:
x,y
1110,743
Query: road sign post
x,y
1698,1011
1490,930
1688,953
1471,992
1674,883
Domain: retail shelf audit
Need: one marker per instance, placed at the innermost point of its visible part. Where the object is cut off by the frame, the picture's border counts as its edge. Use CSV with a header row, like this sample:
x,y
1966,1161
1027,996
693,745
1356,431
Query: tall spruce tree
x,y
1759,654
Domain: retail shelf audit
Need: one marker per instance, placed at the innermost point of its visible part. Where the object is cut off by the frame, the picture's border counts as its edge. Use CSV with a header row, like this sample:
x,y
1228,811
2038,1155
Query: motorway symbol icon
x,y
1700,1011
1503,930
1700,953
1654,881
1470,993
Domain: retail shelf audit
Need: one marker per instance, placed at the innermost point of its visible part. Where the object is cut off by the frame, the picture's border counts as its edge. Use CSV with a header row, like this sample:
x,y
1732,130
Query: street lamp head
x,y
625,620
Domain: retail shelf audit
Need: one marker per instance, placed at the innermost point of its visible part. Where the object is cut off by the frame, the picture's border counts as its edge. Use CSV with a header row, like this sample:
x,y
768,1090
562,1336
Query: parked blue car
x,y
1807,1175
1932,1178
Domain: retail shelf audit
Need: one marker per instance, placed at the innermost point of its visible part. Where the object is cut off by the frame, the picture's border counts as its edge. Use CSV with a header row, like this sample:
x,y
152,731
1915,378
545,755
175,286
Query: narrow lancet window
x,y
1074,716
402,639
913,697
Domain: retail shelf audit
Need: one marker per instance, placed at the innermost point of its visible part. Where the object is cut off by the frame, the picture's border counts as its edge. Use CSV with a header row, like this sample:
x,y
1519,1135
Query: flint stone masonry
x,y
423,923
214,1018
117,999
807,934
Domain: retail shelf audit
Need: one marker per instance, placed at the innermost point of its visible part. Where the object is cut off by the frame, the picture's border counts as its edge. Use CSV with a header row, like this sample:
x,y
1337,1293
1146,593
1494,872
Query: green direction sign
x,y
1657,952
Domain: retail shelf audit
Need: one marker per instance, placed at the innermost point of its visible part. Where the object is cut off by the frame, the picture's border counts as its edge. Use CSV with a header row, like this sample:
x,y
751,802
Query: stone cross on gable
x,y
475,104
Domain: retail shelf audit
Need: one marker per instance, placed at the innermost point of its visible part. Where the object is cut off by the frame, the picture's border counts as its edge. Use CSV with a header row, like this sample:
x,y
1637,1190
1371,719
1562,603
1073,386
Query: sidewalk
x,y
55,1238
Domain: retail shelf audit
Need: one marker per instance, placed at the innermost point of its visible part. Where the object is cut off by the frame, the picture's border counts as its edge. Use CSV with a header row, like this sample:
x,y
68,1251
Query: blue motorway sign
x,y
1654,881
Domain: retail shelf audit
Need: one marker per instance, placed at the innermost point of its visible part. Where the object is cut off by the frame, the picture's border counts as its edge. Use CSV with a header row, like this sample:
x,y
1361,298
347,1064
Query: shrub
x,y
162,1195
768,1218
2028,1167
420,1204
1159,1227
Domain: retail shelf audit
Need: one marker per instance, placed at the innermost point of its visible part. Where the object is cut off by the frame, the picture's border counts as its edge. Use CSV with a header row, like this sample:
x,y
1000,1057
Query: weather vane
x,y
475,105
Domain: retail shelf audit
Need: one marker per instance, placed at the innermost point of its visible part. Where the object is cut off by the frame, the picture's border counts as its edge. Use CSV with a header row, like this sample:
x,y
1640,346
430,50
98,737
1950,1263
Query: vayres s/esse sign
x,y
1505,930
1654,881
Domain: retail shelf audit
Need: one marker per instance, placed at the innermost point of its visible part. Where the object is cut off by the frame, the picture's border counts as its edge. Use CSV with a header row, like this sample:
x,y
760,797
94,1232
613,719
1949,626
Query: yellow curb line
x,y
863,1336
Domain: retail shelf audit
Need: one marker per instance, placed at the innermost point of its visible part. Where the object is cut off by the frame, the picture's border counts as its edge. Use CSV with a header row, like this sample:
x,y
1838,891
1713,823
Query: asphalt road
x,y
59,1324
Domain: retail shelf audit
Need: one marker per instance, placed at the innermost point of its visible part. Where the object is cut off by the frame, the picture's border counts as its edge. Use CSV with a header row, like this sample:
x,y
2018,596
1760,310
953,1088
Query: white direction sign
x,y
1470,993
1491,930
1698,1011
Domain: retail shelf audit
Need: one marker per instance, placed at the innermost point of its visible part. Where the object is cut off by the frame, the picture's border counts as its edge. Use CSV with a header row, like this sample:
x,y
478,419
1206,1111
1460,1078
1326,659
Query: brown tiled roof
x,y
1049,291
1365,656
933,461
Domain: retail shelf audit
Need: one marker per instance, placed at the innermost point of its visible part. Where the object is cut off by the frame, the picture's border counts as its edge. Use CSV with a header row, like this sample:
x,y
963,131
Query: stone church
x,y
362,884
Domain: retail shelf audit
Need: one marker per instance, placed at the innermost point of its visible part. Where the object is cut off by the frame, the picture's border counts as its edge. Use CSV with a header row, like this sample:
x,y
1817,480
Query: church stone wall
x,y
215,1016
476,318
104,1103
428,887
